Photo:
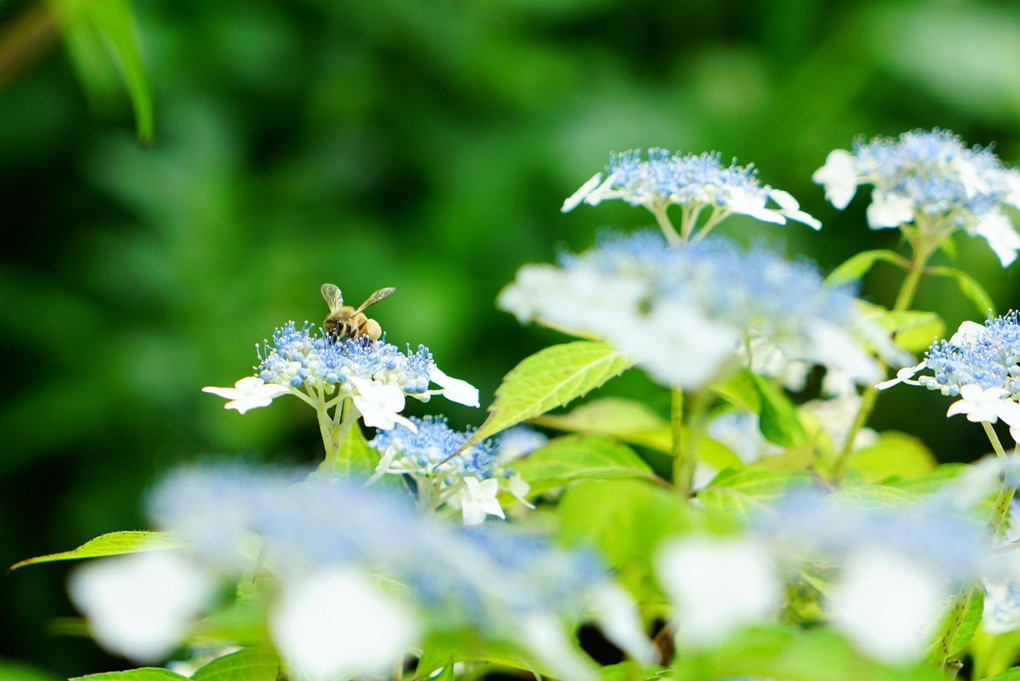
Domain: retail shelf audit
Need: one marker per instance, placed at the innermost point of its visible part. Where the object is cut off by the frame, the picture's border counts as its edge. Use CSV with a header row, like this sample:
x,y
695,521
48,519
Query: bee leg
x,y
371,329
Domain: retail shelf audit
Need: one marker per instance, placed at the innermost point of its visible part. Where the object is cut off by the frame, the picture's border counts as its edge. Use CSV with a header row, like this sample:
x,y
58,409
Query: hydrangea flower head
x,y
694,181
374,374
444,471
686,312
489,578
930,180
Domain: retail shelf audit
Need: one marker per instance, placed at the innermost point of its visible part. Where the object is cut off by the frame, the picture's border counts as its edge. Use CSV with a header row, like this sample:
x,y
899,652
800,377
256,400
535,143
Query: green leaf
x,y
856,266
617,417
580,457
108,27
913,330
969,625
942,475
740,391
355,457
878,496
248,664
745,489
893,455
625,520
141,674
548,379
969,287
111,544
1008,675
778,419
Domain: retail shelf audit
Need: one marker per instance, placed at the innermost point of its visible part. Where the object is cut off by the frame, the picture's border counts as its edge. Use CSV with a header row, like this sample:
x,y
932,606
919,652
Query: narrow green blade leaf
x,y
142,674
746,489
1008,675
856,266
580,457
115,22
111,544
249,664
624,419
969,287
548,379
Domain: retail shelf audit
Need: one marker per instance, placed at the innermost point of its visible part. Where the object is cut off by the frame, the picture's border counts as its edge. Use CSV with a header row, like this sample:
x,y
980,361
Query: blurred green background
x,y
425,145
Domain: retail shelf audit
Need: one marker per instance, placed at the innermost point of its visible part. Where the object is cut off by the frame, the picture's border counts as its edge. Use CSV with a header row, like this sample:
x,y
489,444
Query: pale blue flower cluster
x,y
464,577
299,357
694,181
930,180
432,451
687,313
829,528
987,356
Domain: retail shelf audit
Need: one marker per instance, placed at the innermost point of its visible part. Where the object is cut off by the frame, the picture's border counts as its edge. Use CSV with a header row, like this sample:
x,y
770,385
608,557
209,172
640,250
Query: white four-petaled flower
x,y
248,393
988,405
477,499
380,404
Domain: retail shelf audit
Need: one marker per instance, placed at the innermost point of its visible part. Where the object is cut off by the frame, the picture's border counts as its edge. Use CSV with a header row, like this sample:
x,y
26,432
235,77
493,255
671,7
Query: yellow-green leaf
x,y
894,454
580,457
621,418
548,379
111,544
248,664
856,266
141,674
745,489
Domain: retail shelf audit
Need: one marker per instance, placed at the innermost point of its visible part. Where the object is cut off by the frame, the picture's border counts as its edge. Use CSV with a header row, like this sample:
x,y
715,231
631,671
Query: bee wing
x,y
375,298
333,297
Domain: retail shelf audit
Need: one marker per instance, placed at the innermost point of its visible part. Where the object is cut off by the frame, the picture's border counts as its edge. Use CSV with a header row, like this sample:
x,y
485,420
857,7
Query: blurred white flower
x,y
477,498
248,393
718,585
884,602
620,622
336,624
544,636
141,605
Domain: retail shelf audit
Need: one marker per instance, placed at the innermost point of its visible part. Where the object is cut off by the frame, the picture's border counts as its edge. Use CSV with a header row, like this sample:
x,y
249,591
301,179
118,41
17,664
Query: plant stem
x,y
334,430
908,289
687,435
672,236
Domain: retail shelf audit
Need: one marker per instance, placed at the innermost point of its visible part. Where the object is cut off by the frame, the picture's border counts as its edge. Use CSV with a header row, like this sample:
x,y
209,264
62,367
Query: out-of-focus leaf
x,y
746,489
548,379
778,419
969,287
894,454
856,266
580,457
913,330
11,670
111,544
102,31
624,419
355,456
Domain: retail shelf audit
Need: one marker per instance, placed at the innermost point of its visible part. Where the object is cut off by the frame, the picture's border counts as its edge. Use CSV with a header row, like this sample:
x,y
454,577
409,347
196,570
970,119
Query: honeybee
x,y
346,322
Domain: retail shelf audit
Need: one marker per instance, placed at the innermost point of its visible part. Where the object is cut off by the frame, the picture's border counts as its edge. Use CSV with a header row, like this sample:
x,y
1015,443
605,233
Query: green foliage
x,y
566,460
548,379
621,418
140,674
18,671
355,456
111,544
893,455
859,264
743,490
969,287
247,664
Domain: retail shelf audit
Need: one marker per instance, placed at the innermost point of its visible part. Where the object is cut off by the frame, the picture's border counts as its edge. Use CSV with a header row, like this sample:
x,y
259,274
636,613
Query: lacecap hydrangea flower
x,y
431,455
931,181
693,181
894,568
346,541
375,375
690,314
980,364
